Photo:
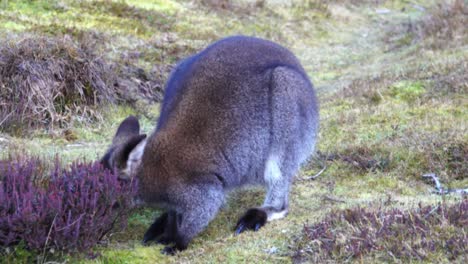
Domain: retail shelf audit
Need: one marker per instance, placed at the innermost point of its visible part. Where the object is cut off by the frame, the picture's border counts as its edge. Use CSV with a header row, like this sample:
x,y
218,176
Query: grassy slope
x,y
384,119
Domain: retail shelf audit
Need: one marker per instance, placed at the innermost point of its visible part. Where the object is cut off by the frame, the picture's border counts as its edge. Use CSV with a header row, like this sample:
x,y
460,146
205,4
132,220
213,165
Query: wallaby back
x,y
224,113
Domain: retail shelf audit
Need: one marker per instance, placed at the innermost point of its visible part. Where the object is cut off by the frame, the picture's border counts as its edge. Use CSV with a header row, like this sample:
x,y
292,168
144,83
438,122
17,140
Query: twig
x,y
6,117
433,210
436,181
74,222
459,191
47,239
333,199
316,175
439,189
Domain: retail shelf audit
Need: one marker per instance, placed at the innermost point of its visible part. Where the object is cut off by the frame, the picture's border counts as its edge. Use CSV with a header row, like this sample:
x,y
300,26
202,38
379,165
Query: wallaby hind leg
x,y
288,125
275,205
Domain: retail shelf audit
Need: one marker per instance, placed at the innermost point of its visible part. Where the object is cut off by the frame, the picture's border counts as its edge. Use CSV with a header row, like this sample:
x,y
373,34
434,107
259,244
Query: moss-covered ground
x,y
393,107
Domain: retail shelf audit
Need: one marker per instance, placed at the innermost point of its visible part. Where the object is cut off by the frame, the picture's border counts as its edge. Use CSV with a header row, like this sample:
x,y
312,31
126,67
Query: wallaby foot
x,y
253,219
156,229
276,200
169,251
172,250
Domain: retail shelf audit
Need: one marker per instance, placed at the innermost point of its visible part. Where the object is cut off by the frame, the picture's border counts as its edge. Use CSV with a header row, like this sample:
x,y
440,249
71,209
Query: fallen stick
x,y
316,175
439,189
333,199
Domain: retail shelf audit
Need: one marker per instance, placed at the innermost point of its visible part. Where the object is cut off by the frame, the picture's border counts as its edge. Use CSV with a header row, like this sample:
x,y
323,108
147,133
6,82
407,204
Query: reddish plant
x,y
72,210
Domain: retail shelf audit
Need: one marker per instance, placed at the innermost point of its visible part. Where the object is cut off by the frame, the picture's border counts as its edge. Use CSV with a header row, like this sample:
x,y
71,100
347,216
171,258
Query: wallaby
x,y
242,111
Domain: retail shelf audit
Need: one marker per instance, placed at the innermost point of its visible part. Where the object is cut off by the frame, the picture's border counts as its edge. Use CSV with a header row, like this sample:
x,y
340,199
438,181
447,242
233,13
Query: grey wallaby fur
x,y
242,111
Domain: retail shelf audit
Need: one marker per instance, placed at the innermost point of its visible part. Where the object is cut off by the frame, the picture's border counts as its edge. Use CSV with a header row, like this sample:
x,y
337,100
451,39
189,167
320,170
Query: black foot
x,y
252,220
156,229
171,251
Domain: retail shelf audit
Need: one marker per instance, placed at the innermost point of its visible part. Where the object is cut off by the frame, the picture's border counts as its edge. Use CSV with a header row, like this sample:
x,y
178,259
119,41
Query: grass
x,y
392,96
418,234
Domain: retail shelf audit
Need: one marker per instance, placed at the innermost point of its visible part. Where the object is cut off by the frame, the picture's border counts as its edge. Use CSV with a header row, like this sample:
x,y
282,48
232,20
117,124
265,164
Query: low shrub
x,y
444,24
45,80
50,82
427,233
71,210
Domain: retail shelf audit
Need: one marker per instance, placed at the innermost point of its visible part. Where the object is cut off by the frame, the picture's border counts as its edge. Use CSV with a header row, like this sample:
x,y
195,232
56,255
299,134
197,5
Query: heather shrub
x,y
70,210
420,234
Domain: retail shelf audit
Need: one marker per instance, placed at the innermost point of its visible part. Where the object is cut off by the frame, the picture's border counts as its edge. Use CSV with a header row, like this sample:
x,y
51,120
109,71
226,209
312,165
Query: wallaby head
x,y
126,149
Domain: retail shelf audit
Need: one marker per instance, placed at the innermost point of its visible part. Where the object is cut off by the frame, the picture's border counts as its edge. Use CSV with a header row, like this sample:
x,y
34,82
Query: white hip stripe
x,y
272,170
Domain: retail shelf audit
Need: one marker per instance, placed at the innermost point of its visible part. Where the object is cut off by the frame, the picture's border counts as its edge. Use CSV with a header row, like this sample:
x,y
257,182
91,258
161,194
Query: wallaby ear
x,y
106,160
124,151
131,144
129,127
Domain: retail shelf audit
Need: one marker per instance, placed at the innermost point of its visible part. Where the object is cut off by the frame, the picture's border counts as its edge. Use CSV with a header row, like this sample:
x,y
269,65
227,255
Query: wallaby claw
x,y
147,238
257,226
239,229
145,241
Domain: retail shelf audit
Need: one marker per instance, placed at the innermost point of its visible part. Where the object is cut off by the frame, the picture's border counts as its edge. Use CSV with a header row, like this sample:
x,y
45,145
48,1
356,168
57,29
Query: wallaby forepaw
x,y
148,237
156,229
253,219
171,251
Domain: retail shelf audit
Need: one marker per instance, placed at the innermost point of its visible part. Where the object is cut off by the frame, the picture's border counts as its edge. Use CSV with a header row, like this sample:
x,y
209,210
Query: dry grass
x,y
238,7
47,80
362,158
443,25
392,108
387,235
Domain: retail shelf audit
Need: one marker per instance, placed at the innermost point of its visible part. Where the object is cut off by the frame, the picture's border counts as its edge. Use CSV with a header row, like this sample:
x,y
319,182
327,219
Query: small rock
x,y
77,145
272,250
383,11
420,8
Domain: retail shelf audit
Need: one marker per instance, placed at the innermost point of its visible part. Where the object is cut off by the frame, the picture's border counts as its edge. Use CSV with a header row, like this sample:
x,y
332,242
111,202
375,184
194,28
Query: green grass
x,y
390,102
